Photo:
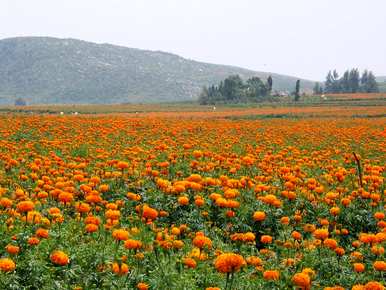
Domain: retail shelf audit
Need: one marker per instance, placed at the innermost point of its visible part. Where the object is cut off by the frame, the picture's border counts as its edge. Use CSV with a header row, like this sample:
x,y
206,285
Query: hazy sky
x,y
305,38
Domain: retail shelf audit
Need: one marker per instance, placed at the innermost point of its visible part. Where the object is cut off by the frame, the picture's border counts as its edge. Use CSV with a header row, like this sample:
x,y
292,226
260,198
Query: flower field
x,y
184,202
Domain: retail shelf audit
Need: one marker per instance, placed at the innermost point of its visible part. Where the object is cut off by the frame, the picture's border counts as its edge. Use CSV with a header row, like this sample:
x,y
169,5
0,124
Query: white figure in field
x,y
62,113
214,108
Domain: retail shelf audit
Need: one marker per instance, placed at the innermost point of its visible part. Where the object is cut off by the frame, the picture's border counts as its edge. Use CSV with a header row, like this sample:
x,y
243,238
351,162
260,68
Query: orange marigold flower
x,y
25,206
66,197
379,215
301,280
91,228
6,202
7,265
379,265
33,241
373,285
12,249
330,243
190,263
271,275
42,233
200,241
120,270
229,263
359,267
321,234
131,244
259,216
266,239
142,286
59,258
296,235
120,235
183,200
149,213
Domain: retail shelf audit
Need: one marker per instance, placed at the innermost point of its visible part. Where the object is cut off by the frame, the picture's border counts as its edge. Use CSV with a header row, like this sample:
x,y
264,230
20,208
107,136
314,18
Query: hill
x,y
52,70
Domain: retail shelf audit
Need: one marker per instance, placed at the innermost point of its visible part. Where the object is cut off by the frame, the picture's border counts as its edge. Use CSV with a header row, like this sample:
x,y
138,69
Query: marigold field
x,y
186,201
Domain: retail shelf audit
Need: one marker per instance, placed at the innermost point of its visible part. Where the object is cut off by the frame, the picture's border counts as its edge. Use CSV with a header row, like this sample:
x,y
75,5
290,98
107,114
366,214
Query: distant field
x,y
337,108
357,96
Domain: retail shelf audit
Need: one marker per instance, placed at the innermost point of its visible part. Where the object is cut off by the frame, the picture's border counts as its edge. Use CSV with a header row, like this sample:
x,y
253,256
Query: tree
x,y
204,96
354,81
317,89
256,89
345,83
364,81
20,102
329,84
297,91
269,84
232,88
336,86
372,85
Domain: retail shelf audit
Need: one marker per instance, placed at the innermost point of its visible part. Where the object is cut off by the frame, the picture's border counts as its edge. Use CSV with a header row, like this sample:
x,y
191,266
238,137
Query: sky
x,y
304,38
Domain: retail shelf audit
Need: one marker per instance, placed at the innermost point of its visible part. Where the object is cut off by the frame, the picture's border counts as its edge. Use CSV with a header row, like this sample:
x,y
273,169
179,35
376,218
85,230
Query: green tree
x,y
297,91
269,84
354,80
317,90
372,85
364,81
256,90
232,89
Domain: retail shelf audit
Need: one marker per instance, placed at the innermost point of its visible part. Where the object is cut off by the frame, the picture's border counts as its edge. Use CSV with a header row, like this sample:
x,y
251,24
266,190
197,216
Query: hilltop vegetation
x,y
50,70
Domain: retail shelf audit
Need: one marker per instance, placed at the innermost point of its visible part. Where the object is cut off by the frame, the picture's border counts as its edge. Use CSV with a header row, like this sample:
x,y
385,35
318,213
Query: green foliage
x,y
234,90
351,82
318,89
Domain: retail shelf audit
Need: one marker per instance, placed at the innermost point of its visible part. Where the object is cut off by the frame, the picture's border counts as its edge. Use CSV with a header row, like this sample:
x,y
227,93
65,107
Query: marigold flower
x,y
296,235
25,206
42,233
201,241
259,216
330,243
266,239
120,270
229,263
301,280
190,263
33,241
142,286
7,265
321,234
373,285
358,267
379,265
183,200
12,249
271,275
149,213
59,258
91,228
120,235
131,244
379,215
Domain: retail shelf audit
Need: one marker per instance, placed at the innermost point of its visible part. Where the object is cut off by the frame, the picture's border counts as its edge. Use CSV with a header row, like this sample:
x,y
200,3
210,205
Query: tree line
x,y
234,90
350,82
